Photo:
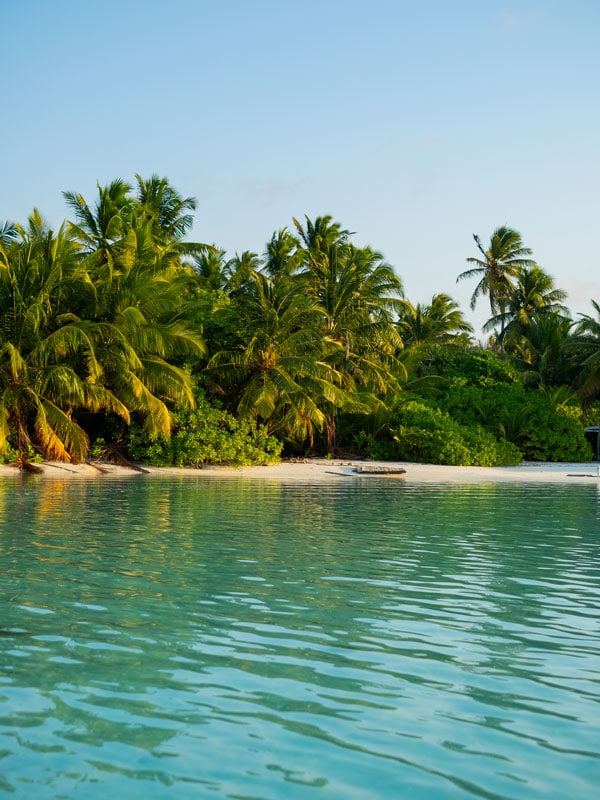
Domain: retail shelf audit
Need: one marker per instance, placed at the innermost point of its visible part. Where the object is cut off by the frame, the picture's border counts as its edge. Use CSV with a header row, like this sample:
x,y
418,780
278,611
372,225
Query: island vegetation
x,y
120,338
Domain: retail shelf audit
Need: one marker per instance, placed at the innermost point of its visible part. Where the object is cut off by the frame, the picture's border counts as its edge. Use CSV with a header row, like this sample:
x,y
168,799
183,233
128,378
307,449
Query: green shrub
x,y
9,456
479,367
432,436
367,445
205,435
526,418
592,415
554,435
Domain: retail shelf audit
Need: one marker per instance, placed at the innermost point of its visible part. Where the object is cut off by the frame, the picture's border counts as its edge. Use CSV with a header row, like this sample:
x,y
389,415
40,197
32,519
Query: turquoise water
x,y
189,638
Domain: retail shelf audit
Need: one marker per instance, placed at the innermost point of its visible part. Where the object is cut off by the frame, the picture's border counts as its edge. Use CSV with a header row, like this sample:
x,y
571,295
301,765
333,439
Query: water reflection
x,y
236,637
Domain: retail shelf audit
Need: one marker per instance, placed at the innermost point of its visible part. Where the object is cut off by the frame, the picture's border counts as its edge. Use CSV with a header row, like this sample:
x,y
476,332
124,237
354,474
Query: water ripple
x,y
227,639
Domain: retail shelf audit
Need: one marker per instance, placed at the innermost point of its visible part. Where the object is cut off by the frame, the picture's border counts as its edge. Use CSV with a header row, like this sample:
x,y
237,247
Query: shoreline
x,y
325,471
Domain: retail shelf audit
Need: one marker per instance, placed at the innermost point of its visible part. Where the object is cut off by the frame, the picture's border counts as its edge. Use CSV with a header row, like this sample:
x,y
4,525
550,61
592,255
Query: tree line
x,y
120,337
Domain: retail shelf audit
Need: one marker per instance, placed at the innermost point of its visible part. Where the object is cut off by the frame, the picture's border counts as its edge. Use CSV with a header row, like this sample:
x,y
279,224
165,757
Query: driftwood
x,y
376,469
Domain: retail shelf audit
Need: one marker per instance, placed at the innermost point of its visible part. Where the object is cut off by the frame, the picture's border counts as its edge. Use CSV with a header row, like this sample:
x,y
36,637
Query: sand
x,y
324,471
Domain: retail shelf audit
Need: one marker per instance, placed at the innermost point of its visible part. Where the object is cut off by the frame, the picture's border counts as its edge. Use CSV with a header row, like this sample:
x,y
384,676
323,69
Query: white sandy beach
x,y
323,470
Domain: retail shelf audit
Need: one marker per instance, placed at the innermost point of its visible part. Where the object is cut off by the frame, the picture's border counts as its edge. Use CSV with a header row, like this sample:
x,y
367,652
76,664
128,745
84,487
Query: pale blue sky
x,y
415,124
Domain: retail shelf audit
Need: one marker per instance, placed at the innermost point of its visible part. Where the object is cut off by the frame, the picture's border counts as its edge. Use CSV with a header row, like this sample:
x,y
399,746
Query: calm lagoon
x,y
197,638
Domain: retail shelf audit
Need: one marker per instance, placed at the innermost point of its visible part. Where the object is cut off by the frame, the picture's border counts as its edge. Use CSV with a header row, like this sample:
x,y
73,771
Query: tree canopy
x,y
115,326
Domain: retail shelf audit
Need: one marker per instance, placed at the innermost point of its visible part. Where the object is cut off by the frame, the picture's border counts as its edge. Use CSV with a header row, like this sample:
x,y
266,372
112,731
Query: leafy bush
x,y
480,367
553,435
205,435
367,445
488,451
9,456
433,436
12,455
528,419
592,415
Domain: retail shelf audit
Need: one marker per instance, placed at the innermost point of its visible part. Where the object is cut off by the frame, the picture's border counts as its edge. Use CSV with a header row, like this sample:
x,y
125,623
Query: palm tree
x,y
543,353
48,362
8,233
439,323
358,296
586,346
101,229
277,371
142,292
170,213
282,256
533,294
170,217
497,267
357,292
143,333
210,266
239,272
319,236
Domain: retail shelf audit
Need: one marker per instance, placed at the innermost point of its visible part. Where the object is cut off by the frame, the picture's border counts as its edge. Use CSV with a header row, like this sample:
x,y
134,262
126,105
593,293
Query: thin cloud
x,y
520,20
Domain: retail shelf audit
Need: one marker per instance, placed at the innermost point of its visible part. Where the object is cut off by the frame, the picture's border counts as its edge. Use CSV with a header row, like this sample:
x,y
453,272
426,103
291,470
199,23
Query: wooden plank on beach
x,y
375,469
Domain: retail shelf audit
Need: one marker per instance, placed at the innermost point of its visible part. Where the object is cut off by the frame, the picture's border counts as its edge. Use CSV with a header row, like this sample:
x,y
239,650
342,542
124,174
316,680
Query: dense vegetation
x,y
120,337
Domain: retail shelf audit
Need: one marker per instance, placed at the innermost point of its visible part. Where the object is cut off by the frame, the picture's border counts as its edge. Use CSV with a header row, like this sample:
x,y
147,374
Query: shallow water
x,y
187,638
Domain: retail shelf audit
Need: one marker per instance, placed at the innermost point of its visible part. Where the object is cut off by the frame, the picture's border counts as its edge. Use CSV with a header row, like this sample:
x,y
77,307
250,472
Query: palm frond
x,y
57,435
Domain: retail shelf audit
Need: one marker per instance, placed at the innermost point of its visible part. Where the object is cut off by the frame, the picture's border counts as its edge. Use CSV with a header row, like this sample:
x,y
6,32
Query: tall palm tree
x,y
210,267
497,267
533,293
432,325
239,272
101,229
320,235
170,213
586,351
358,293
358,296
132,250
48,362
543,353
282,256
141,316
277,370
